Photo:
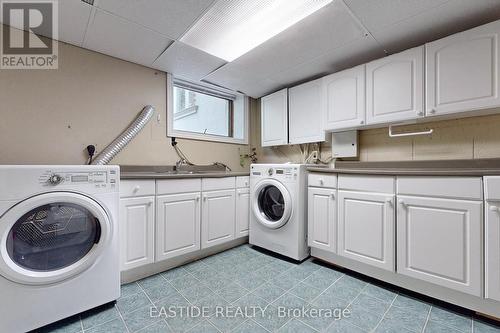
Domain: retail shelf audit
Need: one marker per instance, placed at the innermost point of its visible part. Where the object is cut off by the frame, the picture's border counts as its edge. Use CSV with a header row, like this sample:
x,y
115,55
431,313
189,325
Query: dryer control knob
x,y
270,172
54,179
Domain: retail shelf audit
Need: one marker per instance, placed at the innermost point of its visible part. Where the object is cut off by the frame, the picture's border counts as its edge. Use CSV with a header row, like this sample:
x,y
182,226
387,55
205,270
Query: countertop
x,y
480,167
166,175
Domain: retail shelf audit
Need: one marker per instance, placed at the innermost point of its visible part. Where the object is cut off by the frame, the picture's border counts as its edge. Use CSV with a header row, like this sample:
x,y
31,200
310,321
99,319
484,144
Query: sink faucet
x,y
179,163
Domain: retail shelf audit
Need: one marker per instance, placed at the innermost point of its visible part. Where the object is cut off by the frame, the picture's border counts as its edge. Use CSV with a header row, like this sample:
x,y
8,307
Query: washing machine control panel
x,y
286,173
96,179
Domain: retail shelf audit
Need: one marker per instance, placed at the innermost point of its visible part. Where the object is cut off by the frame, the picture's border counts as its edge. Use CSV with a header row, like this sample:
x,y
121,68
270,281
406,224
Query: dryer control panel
x,y
96,179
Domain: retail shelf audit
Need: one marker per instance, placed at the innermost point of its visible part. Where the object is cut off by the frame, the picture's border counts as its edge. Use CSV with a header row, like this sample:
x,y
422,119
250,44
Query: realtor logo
x,y
28,34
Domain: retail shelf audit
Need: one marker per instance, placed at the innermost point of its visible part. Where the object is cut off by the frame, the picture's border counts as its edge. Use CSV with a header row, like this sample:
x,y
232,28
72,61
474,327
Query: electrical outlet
x,y
314,156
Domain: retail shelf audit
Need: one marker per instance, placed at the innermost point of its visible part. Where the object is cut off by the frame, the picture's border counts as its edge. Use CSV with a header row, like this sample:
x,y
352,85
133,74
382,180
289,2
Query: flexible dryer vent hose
x,y
120,142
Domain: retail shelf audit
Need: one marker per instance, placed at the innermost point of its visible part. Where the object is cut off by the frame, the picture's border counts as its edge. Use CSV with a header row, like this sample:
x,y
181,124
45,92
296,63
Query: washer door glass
x,y
272,203
53,236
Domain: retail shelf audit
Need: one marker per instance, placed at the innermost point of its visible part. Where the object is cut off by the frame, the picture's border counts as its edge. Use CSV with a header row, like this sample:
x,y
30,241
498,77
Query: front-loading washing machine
x,y
59,251
278,201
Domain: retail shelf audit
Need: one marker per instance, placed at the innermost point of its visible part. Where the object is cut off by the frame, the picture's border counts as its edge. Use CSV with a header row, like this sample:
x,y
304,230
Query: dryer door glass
x,y
53,236
272,203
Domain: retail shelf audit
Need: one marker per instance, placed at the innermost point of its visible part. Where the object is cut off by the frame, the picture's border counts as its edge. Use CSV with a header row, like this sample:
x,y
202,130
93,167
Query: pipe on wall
x,y
123,139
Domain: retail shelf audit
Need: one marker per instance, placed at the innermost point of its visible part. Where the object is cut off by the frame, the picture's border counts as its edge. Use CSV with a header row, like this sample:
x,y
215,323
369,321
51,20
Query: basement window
x,y
205,113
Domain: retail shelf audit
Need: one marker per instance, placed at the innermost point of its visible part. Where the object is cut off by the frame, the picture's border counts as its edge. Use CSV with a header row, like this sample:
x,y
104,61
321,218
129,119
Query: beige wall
x,y
50,116
467,138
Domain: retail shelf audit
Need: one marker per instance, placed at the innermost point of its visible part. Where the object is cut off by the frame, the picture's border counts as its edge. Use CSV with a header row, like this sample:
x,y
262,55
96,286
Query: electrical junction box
x,y
345,144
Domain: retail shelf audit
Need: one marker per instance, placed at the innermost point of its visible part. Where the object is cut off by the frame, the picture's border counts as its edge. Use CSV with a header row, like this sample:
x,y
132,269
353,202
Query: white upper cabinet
x,y
394,87
344,99
274,119
462,71
306,113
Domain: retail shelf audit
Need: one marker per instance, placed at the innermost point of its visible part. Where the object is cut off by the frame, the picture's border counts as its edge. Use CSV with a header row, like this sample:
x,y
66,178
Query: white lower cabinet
x,y
137,225
439,241
321,218
218,217
366,228
167,218
242,212
492,255
177,224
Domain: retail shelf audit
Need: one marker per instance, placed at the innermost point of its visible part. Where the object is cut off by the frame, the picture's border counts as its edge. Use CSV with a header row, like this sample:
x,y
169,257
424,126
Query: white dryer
x,y
59,251
278,201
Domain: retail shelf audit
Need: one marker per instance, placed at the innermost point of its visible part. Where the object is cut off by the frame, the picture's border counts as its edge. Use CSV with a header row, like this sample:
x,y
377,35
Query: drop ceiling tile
x,y
450,18
376,14
317,34
169,17
357,52
234,78
123,39
187,62
74,16
73,19
360,51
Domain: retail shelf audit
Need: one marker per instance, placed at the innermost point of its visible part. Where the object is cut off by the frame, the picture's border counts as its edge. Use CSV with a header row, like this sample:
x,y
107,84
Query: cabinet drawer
x,y
322,180
243,181
172,186
492,188
381,184
214,184
444,187
137,188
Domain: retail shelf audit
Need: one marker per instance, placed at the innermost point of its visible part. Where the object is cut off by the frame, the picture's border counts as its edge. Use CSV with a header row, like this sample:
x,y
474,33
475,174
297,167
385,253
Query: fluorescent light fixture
x,y
231,28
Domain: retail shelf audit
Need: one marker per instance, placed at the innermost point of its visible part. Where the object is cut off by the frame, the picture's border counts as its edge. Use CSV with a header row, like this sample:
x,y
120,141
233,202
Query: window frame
x,y
171,132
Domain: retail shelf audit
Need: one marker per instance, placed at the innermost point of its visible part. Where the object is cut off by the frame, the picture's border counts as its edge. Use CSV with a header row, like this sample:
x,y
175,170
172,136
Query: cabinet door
x,y
492,255
177,224
439,241
274,119
306,113
344,99
218,217
462,71
136,232
394,87
321,219
242,211
366,228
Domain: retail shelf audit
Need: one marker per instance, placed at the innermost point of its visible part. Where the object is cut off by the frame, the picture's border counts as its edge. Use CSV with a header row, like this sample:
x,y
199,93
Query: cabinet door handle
x,y
494,208
246,183
150,203
432,111
389,201
361,122
197,198
136,189
205,198
402,203
332,196
321,182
